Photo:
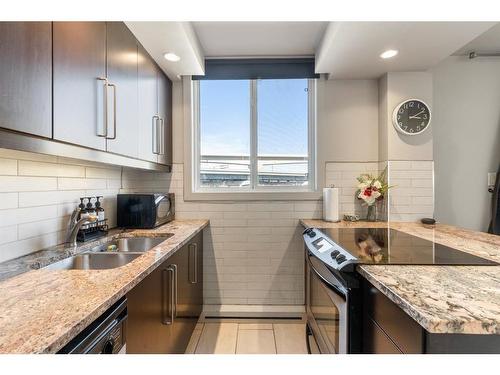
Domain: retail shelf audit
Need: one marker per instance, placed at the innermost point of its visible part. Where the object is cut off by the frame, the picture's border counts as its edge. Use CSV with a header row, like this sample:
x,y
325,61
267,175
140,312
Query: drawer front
x,y
400,327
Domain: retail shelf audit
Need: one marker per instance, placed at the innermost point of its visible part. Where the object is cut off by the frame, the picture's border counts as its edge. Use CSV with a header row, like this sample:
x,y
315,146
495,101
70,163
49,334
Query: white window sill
x,y
253,196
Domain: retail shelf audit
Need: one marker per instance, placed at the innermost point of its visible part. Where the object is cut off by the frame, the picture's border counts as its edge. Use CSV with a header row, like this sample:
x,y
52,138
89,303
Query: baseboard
x,y
252,312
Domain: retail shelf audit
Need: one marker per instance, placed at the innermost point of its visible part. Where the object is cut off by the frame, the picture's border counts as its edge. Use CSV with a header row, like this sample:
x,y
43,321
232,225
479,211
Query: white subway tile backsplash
x,y
42,227
8,234
26,215
8,167
8,200
33,168
412,195
19,248
64,183
21,155
45,198
22,183
107,173
33,212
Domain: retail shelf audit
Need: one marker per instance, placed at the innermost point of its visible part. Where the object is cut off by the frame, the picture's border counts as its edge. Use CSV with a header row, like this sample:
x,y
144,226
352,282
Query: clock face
x,y
411,117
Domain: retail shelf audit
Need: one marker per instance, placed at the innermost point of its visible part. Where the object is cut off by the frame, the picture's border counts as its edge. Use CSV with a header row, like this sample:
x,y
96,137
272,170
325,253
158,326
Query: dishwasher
x,y
106,335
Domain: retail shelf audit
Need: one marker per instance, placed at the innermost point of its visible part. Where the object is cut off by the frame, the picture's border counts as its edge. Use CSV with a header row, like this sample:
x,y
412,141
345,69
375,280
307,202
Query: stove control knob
x,y
341,258
310,232
334,254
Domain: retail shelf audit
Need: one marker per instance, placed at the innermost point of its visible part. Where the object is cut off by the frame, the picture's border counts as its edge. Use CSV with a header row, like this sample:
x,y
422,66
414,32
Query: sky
x,y
225,117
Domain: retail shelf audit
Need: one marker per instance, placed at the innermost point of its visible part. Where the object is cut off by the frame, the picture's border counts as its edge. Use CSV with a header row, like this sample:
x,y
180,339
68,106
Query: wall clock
x,y
411,117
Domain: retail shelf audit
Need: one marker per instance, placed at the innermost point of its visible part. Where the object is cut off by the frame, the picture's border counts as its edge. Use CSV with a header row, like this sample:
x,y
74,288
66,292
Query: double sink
x,y
112,254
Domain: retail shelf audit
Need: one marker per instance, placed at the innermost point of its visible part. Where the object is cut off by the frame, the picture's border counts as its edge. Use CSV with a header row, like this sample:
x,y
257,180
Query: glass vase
x,y
371,214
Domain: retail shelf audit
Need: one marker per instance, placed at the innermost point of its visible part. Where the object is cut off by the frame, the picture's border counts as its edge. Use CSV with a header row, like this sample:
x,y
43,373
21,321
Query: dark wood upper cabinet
x,y
25,77
122,62
148,107
88,84
79,62
165,113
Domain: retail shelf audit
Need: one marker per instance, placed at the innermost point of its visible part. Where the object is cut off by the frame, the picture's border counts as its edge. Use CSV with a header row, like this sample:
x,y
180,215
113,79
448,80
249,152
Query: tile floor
x,y
248,338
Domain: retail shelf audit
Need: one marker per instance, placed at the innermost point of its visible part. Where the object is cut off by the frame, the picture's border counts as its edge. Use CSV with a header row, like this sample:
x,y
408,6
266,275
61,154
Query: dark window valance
x,y
278,68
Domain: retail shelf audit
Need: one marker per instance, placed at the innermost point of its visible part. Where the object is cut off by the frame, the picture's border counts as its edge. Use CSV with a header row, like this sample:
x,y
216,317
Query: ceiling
x,y
178,37
343,50
241,39
351,50
488,42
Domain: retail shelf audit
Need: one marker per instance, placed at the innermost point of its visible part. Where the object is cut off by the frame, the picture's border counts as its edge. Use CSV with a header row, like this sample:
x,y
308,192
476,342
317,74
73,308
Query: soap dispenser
x,y
99,210
90,208
83,210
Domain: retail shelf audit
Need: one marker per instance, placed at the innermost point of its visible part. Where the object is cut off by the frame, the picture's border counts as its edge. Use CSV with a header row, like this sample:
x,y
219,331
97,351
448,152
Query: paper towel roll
x,y
331,204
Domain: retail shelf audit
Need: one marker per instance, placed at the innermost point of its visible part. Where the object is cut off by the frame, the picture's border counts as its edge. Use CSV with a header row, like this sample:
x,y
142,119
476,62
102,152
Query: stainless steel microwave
x,y
145,210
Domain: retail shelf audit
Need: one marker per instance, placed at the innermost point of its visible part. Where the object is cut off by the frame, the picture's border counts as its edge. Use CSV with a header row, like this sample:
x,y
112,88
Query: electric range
x,y
340,248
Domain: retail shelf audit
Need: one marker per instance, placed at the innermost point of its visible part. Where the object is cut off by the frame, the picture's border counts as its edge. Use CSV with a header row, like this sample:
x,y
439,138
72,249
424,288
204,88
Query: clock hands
x,y
415,115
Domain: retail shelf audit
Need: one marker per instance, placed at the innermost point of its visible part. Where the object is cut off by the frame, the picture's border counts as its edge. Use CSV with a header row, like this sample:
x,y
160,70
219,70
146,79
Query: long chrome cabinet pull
x,y
167,308
114,111
104,133
155,135
193,263
176,291
162,136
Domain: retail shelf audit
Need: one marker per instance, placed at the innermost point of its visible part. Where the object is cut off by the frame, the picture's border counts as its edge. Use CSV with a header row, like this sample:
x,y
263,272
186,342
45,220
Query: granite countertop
x,y
42,310
442,299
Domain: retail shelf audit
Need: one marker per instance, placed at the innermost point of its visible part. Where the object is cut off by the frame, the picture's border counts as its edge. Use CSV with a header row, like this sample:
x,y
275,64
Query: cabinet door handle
x,y
193,263
167,306
155,134
176,291
114,112
162,136
104,133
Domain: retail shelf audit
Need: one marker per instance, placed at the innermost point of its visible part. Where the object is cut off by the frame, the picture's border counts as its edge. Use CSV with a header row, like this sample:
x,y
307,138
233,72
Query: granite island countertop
x,y
42,310
442,299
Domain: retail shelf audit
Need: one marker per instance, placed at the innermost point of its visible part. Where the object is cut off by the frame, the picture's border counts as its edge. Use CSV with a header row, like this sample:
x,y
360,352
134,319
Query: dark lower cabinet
x,y
164,308
26,77
387,329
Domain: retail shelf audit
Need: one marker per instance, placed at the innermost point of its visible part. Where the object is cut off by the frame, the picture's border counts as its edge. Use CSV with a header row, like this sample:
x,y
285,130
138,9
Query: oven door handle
x,y
337,288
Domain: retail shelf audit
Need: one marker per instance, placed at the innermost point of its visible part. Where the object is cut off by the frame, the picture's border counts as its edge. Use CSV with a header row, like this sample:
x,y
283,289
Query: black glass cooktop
x,y
390,246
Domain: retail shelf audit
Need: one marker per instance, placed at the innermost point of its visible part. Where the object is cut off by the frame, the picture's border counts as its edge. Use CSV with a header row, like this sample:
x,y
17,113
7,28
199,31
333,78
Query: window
x,y
254,135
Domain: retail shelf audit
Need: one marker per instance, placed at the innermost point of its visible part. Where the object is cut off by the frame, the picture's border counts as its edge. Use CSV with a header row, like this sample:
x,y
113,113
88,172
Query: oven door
x,y
326,307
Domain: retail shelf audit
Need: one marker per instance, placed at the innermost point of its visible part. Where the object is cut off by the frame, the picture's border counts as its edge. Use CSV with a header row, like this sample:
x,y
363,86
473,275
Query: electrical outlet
x,y
492,177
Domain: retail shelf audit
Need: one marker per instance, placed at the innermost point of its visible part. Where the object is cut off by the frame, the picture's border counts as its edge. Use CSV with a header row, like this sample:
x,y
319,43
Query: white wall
x,y
395,88
347,120
466,121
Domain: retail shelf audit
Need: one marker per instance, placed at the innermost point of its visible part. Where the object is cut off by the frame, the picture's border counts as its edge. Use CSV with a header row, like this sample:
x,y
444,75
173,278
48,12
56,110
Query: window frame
x,y
254,187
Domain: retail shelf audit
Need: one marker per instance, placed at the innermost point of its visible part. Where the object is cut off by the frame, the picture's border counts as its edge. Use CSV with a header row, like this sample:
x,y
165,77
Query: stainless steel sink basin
x,y
93,261
131,244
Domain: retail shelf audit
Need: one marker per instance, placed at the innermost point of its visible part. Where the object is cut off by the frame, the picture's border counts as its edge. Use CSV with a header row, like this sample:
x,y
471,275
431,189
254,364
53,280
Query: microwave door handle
x,y
159,199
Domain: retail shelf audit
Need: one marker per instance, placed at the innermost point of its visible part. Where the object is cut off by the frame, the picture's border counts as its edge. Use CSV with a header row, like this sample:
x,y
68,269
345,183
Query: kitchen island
x,y
42,310
461,300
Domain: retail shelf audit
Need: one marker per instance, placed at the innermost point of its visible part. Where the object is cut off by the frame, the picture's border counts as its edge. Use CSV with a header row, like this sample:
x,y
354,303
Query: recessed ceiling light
x,y
170,56
389,53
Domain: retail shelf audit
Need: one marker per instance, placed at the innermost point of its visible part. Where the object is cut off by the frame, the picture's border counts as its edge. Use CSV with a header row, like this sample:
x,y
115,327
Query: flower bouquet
x,y
371,190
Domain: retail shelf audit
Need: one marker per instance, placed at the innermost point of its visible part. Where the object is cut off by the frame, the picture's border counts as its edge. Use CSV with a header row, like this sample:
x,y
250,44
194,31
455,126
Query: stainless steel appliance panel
x,y
326,307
